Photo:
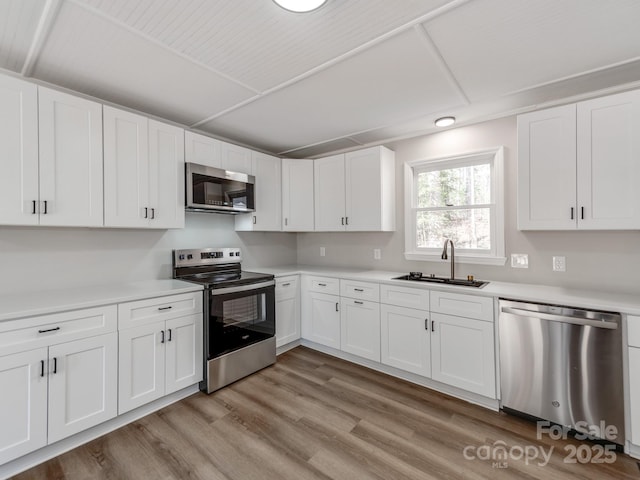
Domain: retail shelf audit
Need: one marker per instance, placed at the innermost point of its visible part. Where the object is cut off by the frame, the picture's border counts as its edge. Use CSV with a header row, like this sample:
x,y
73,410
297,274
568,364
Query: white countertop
x,y
51,301
597,300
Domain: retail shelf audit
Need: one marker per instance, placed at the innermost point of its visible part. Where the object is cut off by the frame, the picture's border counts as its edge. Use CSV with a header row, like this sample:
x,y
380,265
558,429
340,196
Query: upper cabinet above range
x,y
355,191
51,150
579,165
218,154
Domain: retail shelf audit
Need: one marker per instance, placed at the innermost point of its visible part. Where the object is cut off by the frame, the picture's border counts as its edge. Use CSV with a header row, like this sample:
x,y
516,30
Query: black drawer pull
x,y
322,284
357,302
286,284
165,308
358,290
49,330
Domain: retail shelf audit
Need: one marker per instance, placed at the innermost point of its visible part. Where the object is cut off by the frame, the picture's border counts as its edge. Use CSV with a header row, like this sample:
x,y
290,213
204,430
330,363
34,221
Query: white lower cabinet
x,y
157,359
53,392
405,342
634,394
360,328
322,319
287,310
462,353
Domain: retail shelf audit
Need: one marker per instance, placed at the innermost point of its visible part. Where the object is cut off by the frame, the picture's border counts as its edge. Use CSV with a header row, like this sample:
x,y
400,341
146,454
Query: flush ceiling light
x,y
445,121
300,6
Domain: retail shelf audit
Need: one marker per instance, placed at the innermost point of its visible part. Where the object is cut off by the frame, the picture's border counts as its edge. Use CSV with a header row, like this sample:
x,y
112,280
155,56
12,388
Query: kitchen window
x,y
461,198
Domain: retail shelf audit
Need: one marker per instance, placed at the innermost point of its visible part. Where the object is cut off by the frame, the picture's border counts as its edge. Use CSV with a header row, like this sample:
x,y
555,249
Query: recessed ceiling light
x,y
445,121
300,6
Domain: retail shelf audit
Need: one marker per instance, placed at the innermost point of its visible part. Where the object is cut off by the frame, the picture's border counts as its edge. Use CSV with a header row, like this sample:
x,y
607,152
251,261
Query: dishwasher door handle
x,y
561,318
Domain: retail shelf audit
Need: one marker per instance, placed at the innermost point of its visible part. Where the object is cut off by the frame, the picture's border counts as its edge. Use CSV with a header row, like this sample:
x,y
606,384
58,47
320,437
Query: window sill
x,y
460,258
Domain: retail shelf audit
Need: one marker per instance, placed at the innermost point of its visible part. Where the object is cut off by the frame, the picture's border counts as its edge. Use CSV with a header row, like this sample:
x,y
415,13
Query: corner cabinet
x,y
51,148
268,214
143,172
297,195
355,191
577,165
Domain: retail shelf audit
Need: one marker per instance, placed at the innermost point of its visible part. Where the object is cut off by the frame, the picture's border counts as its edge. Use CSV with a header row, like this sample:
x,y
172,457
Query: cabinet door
x,y
547,169
462,354
360,328
23,403
287,310
141,365
70,142
329,200
321,322
268,189
184,357
203,150
297,195
236,158
19,152
83,384
126,169
166,175
367,195
634,394
404,339
609,162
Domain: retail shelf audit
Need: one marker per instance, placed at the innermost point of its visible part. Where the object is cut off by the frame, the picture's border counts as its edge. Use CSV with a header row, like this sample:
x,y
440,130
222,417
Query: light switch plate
x,y
323,251
377,255
560,264
519,260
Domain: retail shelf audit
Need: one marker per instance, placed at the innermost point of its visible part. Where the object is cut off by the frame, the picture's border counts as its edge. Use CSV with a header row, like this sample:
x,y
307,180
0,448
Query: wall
x,y
595,260
43,258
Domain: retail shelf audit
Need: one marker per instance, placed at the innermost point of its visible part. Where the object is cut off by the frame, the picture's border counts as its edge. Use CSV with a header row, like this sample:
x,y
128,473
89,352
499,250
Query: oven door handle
x,y
242,288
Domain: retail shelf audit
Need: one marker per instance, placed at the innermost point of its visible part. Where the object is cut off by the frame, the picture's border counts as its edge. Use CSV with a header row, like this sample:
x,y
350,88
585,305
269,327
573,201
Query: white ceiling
x,y
355,72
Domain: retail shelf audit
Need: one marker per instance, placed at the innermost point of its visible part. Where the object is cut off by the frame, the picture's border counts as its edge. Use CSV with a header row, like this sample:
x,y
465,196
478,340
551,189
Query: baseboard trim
x,y
286,347
50,451
490,403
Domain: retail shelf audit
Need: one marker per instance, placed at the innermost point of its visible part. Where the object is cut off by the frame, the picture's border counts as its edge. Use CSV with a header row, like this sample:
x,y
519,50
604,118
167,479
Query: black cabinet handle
x,y
49,330
342,220
165,308
55,365
337,307
346,220
433,325
254,219
571,213
162,336
426,324
146,212
33,207
153,214
169,339
581,213
42,368
45,207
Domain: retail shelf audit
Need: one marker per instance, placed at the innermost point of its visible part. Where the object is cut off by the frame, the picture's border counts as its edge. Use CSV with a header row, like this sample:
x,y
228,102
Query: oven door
x,y
240,316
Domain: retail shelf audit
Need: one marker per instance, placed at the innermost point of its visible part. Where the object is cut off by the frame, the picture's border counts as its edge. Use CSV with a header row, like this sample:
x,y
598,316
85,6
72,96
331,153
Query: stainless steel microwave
x,y
216,190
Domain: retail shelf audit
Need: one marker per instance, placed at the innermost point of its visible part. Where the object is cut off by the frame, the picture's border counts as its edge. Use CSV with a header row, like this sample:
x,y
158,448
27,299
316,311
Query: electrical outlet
x,y
323,251
519,260
377,255
560,264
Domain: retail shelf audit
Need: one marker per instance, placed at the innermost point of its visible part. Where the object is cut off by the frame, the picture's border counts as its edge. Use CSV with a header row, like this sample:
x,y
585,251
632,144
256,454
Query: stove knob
x,y
181,257
189,257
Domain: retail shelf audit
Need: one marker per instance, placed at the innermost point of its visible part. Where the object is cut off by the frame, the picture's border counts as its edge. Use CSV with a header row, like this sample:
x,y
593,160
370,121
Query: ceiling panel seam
x,y
45,23
396,31
140,34
428,42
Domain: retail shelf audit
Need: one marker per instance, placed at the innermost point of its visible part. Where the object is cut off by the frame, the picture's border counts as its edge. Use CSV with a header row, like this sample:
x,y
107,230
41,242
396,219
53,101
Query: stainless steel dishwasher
x,y
564,365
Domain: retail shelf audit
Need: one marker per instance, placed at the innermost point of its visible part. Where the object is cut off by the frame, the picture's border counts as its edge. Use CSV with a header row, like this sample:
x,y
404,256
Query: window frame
x,y
493,156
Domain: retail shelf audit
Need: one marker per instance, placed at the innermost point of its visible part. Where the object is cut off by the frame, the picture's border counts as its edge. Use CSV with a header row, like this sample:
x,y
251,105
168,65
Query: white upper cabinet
x,y
578,165
202,150
609,162
297,195
355,191
236,158
18,152
144,172
70,173
268,187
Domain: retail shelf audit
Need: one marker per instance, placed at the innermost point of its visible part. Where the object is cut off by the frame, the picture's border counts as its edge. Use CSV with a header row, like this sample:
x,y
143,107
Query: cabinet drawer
x,y
462,305
404,296
286,287
158,309
633,330
29,333
363,290
324,285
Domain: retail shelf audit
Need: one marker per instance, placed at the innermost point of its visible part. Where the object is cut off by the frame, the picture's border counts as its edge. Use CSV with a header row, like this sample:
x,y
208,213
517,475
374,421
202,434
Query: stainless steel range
x,y
239,313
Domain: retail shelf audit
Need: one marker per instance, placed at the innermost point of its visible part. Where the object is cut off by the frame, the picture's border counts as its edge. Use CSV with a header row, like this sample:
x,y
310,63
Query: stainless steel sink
x,y
443,280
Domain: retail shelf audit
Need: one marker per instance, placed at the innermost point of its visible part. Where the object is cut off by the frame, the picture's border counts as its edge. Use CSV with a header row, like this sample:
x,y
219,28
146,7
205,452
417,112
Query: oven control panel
x,y
206,256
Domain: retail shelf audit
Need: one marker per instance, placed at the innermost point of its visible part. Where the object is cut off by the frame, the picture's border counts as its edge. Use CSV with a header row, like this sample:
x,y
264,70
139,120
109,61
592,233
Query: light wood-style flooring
x,y
312,416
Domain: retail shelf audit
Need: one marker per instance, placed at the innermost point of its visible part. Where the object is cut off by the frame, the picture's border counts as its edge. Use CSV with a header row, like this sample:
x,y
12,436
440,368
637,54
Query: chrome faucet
x,y
453,254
